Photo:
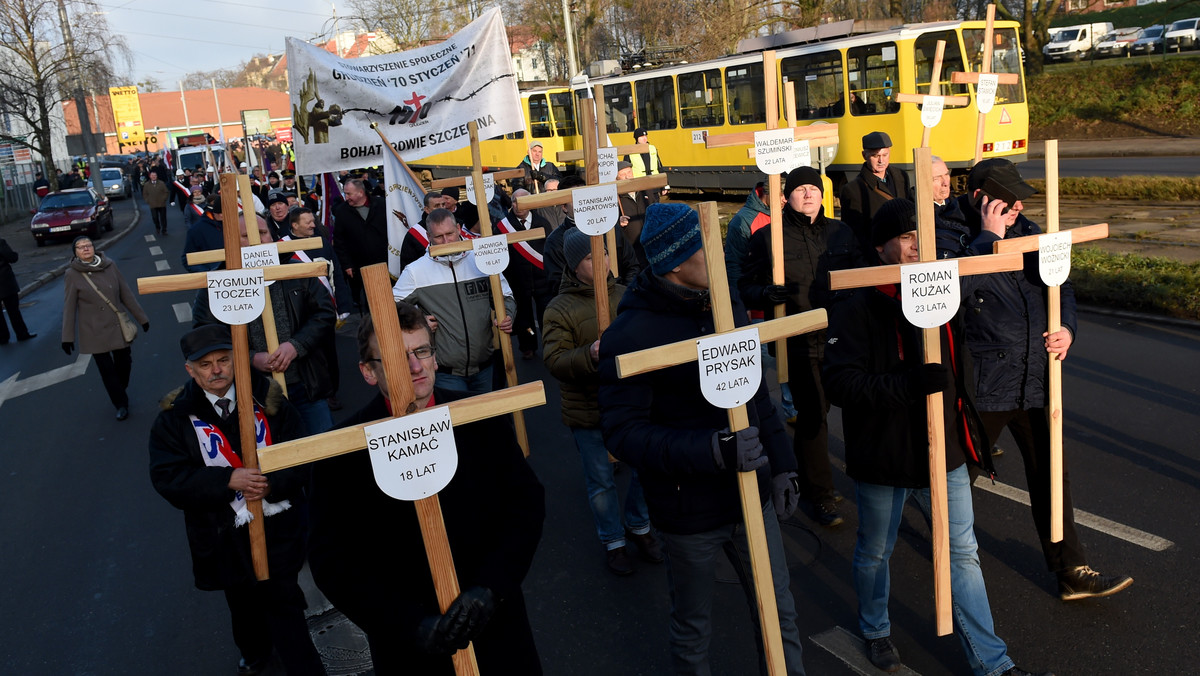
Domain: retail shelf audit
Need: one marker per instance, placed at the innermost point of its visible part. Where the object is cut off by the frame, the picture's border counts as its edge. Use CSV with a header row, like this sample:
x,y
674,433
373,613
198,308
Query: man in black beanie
x,y
812,246
875,372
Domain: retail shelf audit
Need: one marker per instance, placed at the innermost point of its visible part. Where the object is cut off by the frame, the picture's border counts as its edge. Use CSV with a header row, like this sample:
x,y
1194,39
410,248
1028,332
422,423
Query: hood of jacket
x,y
80,266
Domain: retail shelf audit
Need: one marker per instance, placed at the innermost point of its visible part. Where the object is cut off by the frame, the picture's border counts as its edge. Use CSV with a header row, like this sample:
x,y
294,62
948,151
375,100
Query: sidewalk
x,y
39,265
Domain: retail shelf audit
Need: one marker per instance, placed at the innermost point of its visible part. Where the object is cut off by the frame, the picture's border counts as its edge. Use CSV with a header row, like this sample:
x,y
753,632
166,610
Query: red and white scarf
x,y
216,452
527,252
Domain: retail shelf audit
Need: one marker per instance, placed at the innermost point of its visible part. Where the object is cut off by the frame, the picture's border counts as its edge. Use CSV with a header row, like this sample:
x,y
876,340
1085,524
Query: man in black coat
x,y
10,296
555,259
365,549
812,246
876,183
687,460
526,275
1007,334
875,372
196,464
304,322
360,235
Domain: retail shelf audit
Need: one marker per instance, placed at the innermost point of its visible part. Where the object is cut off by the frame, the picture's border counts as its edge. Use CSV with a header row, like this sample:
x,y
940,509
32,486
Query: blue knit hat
x,y
670,235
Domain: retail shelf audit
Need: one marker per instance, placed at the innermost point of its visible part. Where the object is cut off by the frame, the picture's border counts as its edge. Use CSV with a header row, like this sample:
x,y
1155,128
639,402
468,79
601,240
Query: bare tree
x,y
1035,21
36,74
409,22
149,85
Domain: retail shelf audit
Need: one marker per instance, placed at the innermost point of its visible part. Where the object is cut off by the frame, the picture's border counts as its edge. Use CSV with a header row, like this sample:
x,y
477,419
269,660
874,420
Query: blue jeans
x,y
692,568
880,510
316,414
479,383
602,492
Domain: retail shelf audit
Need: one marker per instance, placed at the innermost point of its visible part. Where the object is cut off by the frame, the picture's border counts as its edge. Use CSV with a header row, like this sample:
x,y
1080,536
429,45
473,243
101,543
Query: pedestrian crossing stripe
x,y
1004,116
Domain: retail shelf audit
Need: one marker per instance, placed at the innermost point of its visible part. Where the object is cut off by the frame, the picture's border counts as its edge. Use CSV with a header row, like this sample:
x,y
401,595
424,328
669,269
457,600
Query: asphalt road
x,y
1185,166
98,581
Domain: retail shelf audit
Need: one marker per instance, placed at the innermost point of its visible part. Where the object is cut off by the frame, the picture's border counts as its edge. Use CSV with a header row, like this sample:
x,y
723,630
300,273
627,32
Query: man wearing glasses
x,y
365,547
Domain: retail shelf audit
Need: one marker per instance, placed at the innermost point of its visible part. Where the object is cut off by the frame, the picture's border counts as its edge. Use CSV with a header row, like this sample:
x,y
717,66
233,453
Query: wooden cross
x,y
935,422
985,68
684,351
461,181
556,197
1053,324
378,286
817,136
593,131
935,90
485,229
241,343
268,318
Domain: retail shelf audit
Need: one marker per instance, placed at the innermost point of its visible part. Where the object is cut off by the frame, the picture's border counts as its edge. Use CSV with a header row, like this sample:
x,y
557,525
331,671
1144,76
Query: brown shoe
x,y
618,562
647,545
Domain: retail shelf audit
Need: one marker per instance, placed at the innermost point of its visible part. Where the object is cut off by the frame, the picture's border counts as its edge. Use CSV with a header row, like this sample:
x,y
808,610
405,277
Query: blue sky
x,y
171,39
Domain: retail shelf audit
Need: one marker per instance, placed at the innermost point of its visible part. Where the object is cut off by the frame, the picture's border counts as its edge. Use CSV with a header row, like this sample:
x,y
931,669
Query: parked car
x,y
1183,35
68,213
1117,43
116,183
1073,43
1151,42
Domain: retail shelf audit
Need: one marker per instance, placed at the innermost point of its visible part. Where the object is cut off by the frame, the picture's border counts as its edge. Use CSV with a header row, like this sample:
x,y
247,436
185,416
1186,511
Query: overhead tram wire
x,y
208,42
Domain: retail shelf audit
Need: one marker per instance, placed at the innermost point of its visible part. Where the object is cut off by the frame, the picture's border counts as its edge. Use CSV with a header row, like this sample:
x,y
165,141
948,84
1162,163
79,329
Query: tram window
x,y
1006,58
618,107
818,79
656,103
873,70
701,100
539,117
564,113
747,104
924,50
515,135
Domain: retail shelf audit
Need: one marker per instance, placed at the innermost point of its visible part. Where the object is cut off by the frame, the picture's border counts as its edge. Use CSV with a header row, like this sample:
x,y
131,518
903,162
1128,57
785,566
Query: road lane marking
x,y
149,238
852,650
162,265
12,388
183,312
156,251
1118,530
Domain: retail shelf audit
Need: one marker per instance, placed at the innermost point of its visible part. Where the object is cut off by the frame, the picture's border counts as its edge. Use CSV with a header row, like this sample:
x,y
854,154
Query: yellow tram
x,y
850,80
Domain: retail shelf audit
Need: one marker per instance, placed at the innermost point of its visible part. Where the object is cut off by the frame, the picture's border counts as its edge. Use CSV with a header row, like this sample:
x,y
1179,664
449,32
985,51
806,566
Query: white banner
x,y
422,99
405,206
491,254
1054,257
415,456
929,292
236,296
730,367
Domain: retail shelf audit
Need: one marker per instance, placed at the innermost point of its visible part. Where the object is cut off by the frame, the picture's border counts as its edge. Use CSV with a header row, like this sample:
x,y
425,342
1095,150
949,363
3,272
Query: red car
x,y
68,213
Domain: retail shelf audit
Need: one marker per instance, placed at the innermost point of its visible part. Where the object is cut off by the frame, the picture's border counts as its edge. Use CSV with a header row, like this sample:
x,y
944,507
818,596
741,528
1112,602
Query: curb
x,y
116,236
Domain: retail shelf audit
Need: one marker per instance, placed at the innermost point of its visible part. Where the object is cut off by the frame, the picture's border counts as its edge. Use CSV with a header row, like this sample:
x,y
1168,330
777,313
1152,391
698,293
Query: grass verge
x,y
1155,188
1131,282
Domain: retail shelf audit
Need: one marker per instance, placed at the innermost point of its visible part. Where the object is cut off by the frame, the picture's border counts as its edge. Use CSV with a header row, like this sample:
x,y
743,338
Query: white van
x,y
1117,42
1182,35
1076,42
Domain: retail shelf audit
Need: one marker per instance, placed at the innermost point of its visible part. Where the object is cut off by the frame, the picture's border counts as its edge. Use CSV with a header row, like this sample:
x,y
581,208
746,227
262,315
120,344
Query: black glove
x,y
68,347
785,490
468,615
431,635
740,451
928,379
146,327
779,293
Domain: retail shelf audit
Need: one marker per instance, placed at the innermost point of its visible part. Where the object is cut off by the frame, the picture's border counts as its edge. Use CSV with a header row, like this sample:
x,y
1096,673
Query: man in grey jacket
x,y
456,295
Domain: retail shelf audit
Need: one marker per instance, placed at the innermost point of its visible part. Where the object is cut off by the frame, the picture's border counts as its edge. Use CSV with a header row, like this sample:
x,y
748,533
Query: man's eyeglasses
x,y
424,352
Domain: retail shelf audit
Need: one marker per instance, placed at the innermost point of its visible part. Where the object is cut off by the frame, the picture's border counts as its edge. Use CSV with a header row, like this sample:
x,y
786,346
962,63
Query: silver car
x,y
115,183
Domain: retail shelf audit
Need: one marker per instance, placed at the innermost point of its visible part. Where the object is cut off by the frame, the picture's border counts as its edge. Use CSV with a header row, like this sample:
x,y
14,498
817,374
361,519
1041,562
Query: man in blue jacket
x,y
1006,333
661,424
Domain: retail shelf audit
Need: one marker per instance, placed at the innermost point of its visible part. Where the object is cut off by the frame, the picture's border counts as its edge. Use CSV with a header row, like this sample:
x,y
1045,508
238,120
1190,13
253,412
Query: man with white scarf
x,y
196,464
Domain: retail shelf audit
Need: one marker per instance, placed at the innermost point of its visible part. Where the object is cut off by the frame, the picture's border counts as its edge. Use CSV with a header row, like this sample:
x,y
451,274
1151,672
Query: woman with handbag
x,y
93,286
